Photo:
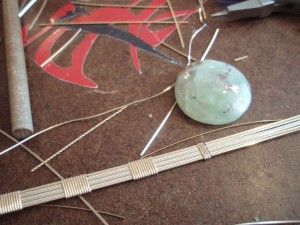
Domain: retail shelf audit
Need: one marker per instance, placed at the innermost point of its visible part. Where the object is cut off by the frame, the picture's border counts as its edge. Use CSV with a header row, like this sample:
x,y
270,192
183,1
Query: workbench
x,y
260,182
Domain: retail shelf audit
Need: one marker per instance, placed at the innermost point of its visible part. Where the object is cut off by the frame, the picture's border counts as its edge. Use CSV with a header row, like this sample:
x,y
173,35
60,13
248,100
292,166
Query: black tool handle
x,y
288,6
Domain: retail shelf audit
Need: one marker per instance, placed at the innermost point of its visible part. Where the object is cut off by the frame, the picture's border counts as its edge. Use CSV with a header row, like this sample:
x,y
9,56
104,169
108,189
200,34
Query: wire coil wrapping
x,y
144,167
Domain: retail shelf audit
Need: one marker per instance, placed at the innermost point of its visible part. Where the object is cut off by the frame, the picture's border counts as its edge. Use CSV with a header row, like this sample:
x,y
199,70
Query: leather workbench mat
x,y
259,182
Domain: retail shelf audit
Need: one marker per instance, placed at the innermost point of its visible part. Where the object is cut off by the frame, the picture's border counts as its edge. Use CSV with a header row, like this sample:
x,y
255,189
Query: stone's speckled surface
x,y
212,92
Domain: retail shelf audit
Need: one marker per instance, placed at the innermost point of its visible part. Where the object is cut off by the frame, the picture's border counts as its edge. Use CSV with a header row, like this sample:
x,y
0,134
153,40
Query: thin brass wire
x,y
38,15
62,48
78,139
176,23
241,58
33,154
85,118
177,51
119,174
117,6
210,44
26,8
111,22
205,133
83,209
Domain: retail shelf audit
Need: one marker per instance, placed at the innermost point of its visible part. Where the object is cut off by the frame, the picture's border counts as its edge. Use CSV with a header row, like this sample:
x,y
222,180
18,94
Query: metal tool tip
x,y
223,13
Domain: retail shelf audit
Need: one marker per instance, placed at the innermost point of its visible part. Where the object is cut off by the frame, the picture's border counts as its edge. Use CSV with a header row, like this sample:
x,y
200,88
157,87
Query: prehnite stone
x,y
212,92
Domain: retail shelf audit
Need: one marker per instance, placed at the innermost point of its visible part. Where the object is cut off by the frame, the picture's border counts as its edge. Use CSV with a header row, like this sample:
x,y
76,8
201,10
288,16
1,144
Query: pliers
x,y
259,8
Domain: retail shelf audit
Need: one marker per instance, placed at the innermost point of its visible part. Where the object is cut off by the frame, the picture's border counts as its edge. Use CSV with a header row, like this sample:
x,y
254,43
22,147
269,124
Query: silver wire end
x,y
222,13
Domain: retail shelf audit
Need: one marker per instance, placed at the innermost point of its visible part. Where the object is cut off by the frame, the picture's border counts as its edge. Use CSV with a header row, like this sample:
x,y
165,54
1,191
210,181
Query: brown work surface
x,y
259,182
